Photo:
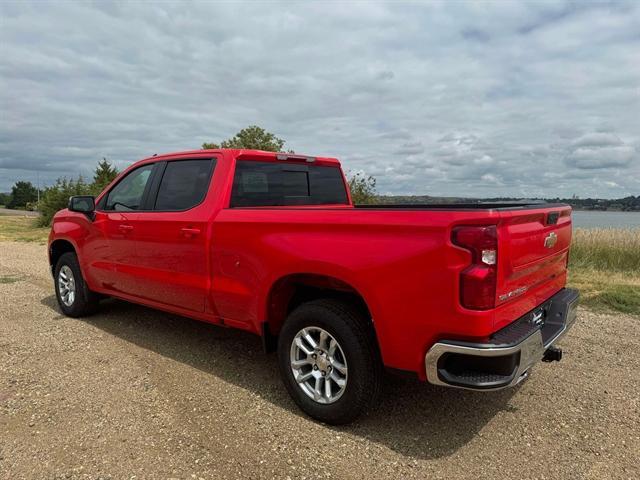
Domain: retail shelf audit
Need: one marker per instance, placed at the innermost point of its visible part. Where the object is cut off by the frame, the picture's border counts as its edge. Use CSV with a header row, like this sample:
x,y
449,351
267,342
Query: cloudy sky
x,y
477,99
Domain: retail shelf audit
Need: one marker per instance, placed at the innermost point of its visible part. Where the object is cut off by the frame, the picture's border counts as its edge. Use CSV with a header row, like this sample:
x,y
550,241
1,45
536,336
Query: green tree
x,y
5,198
56,197
21,194
252,137
363,188
103,176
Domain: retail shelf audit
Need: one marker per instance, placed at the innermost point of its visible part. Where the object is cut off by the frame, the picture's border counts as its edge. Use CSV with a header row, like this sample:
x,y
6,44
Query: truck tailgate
x,y
533,250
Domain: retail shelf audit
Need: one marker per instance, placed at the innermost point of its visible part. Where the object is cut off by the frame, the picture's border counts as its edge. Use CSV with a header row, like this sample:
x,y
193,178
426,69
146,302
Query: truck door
x,y
171,237
112,244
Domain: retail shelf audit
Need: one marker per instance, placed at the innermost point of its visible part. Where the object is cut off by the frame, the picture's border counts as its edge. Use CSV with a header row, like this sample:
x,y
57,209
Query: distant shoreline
x,y
608,210
626,204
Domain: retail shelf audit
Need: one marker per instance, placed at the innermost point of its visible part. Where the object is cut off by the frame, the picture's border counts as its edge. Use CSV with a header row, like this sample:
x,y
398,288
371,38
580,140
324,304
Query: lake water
x,y
595,219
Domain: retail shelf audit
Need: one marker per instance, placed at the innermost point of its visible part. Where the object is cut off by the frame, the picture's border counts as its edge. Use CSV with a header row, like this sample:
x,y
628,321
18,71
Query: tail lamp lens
x,y
478,280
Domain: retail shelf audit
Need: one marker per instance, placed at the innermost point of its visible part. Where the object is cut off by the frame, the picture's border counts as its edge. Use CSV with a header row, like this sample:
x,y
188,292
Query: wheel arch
x,y
292,290
57,248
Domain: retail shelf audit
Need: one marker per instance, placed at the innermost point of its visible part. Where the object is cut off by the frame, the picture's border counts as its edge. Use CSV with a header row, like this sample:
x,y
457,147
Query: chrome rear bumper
x,y
505,360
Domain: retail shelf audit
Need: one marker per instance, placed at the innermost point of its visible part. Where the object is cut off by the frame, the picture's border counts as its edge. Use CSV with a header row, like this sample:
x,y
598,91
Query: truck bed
x,y
490,206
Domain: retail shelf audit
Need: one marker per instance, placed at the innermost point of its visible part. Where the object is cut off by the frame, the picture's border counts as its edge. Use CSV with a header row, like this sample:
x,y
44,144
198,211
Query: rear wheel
x,y
74,297
329,361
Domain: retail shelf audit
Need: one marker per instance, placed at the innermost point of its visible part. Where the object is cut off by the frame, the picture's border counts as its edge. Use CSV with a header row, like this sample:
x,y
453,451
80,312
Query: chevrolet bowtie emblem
x,y
550,240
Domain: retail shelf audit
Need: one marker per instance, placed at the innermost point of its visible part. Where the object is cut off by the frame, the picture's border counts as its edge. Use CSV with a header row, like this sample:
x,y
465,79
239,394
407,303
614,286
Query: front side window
x,y
128,193
271,184
184,184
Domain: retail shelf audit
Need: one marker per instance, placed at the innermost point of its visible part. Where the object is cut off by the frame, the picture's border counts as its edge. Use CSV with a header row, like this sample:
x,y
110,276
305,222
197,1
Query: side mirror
x,y
82,204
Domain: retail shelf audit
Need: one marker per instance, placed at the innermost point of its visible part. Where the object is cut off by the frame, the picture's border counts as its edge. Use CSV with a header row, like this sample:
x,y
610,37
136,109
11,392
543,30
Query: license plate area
x,y
561,315
538,316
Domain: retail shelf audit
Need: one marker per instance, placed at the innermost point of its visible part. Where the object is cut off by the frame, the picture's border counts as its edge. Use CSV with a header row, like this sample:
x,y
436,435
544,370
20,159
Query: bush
x,y
57,197
5,199
362,188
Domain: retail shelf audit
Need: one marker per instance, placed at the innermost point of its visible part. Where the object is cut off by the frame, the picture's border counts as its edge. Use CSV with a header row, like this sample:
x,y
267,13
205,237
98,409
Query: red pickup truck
x,y
464,295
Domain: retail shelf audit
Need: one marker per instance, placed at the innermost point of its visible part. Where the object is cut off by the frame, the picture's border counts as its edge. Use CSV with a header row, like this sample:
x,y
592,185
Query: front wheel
x,y
329,361
74,297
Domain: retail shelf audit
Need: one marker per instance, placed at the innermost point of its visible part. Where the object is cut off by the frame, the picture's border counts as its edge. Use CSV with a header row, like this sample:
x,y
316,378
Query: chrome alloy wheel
x,y
66,286
318,365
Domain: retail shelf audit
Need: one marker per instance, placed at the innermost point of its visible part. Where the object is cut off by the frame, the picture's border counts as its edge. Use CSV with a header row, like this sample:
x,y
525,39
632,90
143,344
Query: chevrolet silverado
x,y
464,295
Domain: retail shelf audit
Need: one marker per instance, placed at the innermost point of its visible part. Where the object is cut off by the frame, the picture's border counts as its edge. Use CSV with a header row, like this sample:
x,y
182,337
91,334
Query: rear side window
x,y
262,184
184,184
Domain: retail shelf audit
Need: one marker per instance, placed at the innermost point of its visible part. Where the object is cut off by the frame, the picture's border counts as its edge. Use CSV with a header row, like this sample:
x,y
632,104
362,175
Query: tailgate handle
x,y
552,218
189,232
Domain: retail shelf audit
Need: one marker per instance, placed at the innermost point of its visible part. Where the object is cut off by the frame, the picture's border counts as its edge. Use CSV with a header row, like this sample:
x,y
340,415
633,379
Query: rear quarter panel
x,y
401,262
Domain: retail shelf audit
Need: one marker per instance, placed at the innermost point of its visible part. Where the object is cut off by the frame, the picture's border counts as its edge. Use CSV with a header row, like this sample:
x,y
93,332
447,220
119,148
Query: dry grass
x,y
22,229
612,250
602,290
605,267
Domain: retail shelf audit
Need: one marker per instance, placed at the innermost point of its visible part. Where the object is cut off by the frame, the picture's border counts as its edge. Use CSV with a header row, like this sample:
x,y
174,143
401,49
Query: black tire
x,y
85,301
356,338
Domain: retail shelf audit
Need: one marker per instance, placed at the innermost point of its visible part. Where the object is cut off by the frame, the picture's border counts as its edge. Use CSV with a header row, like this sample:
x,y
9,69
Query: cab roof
x,y
243,154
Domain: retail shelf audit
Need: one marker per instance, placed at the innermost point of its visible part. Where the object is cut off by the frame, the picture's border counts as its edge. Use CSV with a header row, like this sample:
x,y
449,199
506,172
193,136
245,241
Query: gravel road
x,y
135,393
18,213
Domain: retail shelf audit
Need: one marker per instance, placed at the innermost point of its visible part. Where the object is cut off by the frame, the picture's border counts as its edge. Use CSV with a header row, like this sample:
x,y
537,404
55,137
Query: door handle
x,y
189,232
125,228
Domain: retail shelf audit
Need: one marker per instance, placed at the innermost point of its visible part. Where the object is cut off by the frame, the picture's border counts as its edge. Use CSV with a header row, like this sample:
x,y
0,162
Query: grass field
x,y
605,267
606,249
21,229
604,263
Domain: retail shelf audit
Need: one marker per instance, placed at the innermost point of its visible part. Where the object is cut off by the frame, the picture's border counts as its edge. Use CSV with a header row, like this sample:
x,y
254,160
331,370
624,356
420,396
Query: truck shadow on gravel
x,y
414,418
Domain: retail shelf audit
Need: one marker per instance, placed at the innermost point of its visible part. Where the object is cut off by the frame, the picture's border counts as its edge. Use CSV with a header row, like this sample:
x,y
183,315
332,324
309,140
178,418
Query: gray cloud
x,y
511,99
600,150
597,139
601,157
410,148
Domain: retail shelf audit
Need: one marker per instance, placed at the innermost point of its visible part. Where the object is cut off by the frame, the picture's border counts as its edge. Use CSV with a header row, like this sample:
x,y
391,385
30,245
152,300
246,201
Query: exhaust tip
x,y
552,354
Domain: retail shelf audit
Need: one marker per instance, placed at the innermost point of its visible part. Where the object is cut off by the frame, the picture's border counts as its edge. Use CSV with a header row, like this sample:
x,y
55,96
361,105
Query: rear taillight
x,y
478,280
